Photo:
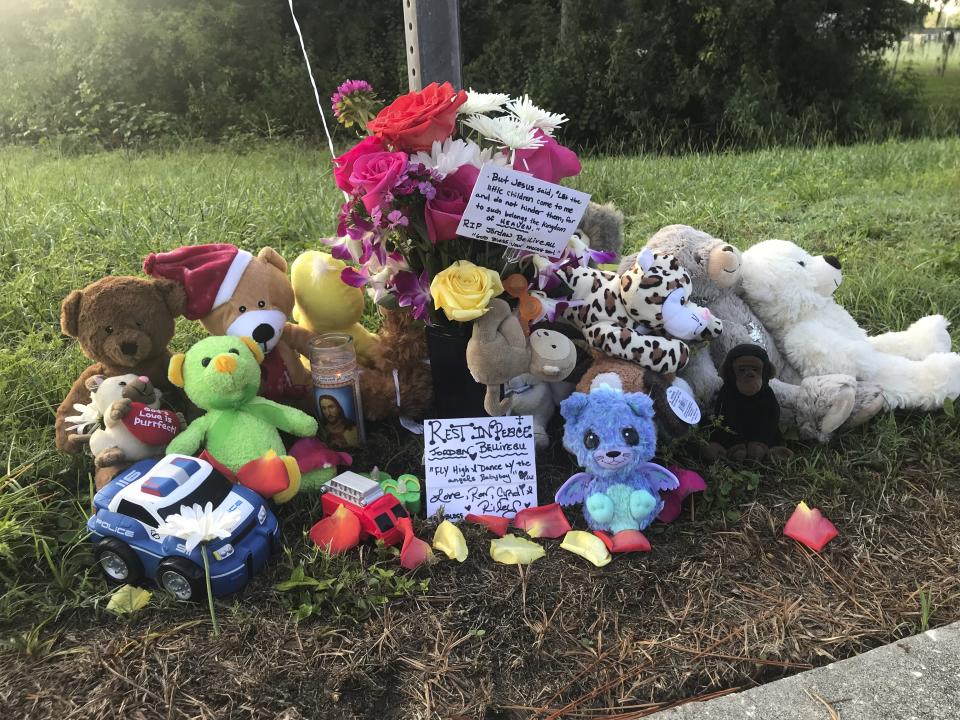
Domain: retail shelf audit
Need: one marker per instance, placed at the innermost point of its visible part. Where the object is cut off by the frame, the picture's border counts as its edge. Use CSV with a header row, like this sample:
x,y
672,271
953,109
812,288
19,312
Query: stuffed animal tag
x,y
151,426
683,406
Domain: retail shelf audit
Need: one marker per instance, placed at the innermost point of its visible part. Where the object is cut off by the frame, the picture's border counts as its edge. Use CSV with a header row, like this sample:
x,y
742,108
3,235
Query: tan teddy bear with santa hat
x,y
232,292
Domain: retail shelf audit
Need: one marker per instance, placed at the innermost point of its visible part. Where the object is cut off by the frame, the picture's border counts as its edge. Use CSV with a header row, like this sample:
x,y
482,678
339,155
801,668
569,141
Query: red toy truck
x,y
377,511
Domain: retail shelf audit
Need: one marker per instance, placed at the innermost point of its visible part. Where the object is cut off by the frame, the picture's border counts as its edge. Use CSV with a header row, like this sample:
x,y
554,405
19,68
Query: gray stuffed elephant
x,y
815,406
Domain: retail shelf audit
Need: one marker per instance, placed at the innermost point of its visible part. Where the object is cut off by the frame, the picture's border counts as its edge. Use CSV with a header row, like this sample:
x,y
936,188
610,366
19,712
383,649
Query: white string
x,y
313,82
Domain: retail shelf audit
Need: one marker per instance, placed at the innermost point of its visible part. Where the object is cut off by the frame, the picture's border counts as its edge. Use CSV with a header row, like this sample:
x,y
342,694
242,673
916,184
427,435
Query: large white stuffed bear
x,y
792,293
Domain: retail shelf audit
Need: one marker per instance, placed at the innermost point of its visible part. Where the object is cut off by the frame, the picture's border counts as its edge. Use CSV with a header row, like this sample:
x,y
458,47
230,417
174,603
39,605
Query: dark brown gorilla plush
x,y
747,408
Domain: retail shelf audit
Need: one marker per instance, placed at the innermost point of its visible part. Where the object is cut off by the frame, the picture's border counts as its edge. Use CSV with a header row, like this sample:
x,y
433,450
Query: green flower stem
x,y
206,572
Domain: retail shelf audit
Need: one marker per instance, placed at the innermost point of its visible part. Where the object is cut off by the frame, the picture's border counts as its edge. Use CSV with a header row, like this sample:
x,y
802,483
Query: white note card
x,y
513,208
484,466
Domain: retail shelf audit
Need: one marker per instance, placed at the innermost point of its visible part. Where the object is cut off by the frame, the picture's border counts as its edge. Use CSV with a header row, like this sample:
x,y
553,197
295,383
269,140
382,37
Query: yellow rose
x,y
464,290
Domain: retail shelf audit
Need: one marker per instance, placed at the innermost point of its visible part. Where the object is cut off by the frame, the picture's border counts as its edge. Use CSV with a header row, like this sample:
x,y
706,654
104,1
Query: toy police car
x,y
129,510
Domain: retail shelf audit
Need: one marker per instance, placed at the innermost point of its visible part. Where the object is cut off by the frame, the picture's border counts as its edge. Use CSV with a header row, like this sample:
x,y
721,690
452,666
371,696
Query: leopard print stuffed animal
x,y
640,314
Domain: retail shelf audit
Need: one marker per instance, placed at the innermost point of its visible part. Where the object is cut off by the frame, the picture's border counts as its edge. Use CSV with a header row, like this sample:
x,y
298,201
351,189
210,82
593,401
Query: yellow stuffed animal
x,y
324,303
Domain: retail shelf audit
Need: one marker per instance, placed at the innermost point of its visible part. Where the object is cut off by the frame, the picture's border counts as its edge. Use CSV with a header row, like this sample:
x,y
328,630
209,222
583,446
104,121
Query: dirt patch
x,y
719,604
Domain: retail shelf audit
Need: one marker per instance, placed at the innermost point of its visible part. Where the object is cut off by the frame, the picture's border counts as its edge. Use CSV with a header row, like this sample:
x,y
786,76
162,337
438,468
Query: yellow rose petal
x,y
513,550
449,540
586,545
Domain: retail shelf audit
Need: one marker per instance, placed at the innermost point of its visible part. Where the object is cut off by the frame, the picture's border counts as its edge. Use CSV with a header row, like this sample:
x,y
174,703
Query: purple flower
x,y
552,307
354,102
397,218
427,190
413,291
546,271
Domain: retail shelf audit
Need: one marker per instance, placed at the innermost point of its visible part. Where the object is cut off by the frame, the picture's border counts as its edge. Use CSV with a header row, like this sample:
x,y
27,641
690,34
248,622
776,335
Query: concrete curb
x,y
913,679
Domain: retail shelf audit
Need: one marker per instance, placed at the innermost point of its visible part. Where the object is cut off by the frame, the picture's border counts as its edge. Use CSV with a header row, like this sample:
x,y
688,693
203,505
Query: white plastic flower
x,y
505,130
526,112
195,525
88,419
448,157
454,154
482,103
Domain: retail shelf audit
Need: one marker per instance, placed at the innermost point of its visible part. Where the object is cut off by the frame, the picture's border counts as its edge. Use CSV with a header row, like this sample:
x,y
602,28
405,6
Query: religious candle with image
x,y
336,391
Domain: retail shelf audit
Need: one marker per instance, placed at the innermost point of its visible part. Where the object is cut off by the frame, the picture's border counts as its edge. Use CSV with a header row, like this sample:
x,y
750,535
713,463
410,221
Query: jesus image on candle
x,y
337,429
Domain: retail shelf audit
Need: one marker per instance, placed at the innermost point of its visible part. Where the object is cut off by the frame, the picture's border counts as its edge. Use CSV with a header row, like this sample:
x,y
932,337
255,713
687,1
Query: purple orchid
x,y
581,254
546,271
552,308
413,291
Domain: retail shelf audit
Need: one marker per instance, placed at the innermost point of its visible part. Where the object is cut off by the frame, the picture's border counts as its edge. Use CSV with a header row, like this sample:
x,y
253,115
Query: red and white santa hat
x,y
209,274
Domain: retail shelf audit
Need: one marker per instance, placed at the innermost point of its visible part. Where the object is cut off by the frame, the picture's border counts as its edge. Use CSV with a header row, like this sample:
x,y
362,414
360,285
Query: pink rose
x,y
343,165
550,162
444,210
376,174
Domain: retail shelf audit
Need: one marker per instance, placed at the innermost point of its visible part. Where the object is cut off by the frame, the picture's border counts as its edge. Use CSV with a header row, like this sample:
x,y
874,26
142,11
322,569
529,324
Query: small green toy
x,y
405,488
221,374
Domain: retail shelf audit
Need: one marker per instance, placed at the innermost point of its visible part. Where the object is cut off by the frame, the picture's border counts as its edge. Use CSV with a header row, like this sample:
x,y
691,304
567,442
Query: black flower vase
x,y
455,392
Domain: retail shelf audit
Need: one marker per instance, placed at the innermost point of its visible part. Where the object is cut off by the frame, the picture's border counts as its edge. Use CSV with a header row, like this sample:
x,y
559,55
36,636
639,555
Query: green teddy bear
x,y
221,374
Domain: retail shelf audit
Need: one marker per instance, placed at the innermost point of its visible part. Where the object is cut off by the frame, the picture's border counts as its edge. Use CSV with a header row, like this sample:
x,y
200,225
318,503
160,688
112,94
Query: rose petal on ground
x,y
414,552
513,550
588,546
809,527
267,476
450,541
494,523
625,541
337,533
690,482
547,521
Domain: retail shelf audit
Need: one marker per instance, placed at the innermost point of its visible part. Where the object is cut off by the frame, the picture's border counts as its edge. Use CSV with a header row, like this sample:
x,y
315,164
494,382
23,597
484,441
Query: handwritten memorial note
x,y
485,466
513,208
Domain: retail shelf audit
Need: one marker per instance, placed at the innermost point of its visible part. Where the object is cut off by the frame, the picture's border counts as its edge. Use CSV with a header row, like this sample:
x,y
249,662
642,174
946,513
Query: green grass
x,y
939,93
890,212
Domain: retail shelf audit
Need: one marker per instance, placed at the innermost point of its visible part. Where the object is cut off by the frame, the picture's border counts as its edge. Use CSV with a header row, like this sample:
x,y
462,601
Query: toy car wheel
x,y
182,579
118,561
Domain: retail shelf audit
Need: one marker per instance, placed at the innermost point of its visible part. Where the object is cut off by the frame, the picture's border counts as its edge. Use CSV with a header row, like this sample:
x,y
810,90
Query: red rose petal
x,y
337,533
690,482
494,523
266,475
809,527
629,541
547,521
414,551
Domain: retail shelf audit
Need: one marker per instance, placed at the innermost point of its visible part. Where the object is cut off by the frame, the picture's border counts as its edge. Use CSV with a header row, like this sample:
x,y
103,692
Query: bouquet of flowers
x,y
408,182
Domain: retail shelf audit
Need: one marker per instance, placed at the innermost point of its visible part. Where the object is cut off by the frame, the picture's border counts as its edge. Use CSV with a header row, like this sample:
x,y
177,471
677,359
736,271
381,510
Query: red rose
x,y
444,211
343,165
413,121
375,174
550,162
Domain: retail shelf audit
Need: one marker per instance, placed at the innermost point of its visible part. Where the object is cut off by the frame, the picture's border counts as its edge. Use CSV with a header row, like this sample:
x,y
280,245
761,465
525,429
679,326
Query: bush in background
x,y
666,74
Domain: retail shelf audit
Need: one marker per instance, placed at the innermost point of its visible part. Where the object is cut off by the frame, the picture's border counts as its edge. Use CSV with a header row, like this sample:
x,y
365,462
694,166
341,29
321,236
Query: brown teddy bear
x,y
636,378
232,292
399,380
123,324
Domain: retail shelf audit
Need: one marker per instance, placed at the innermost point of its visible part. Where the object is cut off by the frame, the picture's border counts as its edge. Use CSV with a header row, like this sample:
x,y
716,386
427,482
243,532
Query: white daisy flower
x,y
505,130
539,118
195,525
482,103
450,156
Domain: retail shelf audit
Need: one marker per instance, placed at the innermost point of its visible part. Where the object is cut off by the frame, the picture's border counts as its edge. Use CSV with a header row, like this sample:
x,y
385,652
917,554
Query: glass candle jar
x,y
336,391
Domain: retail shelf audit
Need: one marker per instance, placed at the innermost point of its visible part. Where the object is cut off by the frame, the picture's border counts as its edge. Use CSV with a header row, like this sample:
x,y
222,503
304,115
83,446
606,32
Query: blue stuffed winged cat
x,y
613,436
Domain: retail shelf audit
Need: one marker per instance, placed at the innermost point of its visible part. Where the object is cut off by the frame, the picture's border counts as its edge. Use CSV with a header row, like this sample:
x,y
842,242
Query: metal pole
x,y
432,30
